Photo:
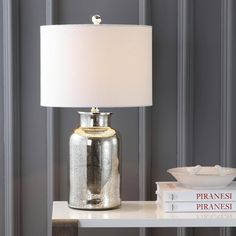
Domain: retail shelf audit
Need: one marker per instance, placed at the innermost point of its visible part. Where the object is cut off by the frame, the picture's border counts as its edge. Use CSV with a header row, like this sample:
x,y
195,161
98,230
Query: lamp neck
x,y
92,119
94,110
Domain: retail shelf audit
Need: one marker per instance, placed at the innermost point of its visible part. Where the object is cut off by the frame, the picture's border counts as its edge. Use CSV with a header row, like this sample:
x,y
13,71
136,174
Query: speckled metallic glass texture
x,y
94,164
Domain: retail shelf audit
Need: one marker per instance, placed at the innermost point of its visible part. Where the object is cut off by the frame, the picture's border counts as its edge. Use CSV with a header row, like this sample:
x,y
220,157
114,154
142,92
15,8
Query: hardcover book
x,y
198,206
175,192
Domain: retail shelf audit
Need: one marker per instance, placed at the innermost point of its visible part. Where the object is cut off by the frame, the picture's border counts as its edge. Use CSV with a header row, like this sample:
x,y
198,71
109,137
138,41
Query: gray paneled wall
x,y
192,120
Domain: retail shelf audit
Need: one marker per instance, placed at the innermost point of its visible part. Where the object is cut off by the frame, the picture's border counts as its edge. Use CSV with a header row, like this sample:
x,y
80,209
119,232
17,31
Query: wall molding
x,y
144,116
184,88
11,99
144,129
185,60
226,82
52,141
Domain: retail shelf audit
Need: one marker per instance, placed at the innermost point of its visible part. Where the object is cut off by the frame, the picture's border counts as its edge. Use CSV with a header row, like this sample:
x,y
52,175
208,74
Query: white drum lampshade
x,y
96,65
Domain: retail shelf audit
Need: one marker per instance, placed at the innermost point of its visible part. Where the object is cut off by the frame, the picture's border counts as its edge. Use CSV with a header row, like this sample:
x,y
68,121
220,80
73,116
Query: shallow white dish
x,y
202,177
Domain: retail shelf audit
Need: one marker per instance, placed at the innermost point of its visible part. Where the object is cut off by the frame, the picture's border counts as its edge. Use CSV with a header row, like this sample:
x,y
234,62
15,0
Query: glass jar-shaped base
x,y
94,164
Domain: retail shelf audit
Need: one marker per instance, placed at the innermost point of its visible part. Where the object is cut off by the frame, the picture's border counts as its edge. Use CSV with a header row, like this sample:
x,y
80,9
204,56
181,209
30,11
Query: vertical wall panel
x,y
226,84
1,130
144,130
144,123
207,81
52,137
185,59
33,123
233,93
233,87
164,18
11,129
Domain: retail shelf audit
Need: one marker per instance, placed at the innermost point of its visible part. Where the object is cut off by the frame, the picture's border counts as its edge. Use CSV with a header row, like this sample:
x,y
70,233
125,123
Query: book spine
x,y
198,196
199,206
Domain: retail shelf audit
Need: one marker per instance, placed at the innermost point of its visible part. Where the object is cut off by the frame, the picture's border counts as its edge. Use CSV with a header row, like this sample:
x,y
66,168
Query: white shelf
x,y
140,214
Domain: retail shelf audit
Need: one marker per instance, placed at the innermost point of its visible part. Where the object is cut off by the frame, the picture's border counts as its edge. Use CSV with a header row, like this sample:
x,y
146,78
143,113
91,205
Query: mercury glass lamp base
x,y
94,163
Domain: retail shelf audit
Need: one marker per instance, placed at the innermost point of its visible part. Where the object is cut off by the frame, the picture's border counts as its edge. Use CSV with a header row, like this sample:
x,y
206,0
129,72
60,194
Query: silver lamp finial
x,y
96,19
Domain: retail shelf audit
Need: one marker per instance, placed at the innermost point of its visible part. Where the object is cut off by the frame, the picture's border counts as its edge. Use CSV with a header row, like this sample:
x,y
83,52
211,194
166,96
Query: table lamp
x,y
95,65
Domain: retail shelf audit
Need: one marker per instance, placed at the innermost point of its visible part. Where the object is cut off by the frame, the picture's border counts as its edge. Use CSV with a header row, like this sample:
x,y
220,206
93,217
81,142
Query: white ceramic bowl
x,y
203,176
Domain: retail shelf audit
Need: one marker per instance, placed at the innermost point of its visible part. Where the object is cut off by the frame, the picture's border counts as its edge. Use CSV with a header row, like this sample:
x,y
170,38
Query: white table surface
x,y
140,214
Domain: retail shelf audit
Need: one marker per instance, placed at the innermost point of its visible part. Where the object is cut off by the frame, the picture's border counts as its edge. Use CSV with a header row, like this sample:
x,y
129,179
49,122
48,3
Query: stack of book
x,y
173,197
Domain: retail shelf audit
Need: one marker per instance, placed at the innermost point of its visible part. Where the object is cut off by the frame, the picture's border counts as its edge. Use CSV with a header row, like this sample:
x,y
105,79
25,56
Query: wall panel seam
x,y
184,87
51,124
11,98
144,131
184,82
226,81
143,158
181,84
